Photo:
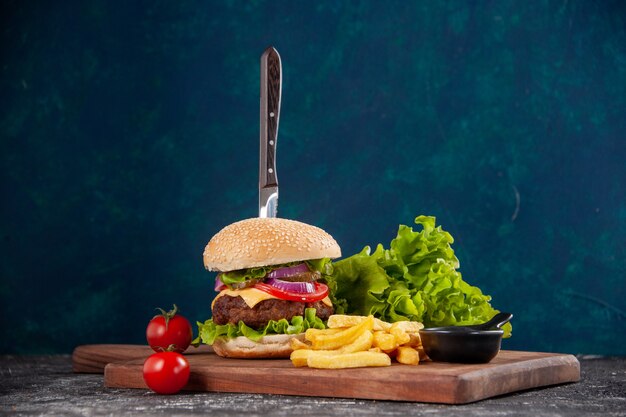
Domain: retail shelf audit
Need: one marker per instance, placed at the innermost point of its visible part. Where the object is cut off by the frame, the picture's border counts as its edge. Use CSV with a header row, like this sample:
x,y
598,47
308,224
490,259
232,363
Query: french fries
x,y
335,339
302,352
358,341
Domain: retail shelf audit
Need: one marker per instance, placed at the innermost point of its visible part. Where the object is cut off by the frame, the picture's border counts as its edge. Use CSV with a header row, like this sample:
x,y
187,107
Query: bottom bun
x,y
273,346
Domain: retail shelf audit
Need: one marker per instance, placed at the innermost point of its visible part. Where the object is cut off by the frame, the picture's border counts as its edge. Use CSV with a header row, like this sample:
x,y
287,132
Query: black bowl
x,y
461,345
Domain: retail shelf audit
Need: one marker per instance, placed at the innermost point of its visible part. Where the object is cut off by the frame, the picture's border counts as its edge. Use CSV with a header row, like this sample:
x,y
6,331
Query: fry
x,y
300,357
415,341
385,341
297,344
363,342
349,360
382,325
408,326
422,353
343,320
341,338
312,333
407,355
401,336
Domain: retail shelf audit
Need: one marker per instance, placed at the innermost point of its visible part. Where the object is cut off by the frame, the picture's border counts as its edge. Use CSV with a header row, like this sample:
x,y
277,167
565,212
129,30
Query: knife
x,y
271,80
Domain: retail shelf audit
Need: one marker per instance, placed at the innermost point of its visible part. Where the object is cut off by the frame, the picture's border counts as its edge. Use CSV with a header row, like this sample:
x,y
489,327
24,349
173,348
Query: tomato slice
x,y
321,291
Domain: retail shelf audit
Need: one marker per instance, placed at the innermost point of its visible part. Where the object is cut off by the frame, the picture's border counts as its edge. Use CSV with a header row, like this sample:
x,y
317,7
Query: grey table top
x,y
45,385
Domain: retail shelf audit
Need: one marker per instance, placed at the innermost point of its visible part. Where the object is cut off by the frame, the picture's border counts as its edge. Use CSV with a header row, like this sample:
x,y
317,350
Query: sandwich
x,y
271,286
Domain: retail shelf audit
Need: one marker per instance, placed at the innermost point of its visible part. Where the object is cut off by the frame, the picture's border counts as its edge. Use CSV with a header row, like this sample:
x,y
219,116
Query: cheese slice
x,y
253,296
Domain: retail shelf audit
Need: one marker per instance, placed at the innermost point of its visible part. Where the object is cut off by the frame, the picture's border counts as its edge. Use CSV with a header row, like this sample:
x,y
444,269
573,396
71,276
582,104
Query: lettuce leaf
x,y
324,266
209,331
242,275
417,278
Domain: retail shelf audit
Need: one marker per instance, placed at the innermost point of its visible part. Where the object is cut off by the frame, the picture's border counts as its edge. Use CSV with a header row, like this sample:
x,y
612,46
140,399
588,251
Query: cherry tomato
x,y
166,372
321,291
169,329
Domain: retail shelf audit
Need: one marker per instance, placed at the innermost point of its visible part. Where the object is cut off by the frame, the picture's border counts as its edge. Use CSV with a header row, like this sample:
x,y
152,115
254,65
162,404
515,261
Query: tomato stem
x,y
167,315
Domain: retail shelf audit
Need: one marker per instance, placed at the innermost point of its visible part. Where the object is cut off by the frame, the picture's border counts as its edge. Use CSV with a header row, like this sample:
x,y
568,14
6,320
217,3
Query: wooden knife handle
x,y
271,77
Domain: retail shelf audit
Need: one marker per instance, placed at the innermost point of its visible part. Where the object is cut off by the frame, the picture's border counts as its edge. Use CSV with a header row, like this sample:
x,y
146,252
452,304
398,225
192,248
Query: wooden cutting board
x,y
434,382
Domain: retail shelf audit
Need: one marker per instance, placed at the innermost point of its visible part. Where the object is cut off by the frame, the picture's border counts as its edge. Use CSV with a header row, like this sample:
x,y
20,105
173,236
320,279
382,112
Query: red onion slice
x,y
219,285
288,271
276,274
296,287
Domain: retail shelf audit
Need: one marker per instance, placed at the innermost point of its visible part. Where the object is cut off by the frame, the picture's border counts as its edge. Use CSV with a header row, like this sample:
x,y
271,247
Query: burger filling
x,y
306,271
290,288
232,310
277,299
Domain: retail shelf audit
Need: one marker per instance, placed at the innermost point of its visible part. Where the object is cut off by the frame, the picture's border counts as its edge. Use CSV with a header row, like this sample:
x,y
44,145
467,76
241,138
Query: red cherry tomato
x,y
169,329
166,372
321,291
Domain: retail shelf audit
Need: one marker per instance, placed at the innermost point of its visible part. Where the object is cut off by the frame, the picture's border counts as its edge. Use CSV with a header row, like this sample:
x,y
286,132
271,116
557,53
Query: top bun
x,y
267,241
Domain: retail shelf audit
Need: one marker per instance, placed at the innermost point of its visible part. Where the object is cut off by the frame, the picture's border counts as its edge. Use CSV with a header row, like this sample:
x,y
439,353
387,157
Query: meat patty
x,y
229,309
304,277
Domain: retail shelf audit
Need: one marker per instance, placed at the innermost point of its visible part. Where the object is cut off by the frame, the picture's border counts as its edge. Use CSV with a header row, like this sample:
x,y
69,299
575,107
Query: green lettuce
x,y
235,278
417,278
209,331
324,266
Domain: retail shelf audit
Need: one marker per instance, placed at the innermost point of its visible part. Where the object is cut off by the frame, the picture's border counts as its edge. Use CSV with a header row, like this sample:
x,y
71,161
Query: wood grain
x,y
92,359
434,382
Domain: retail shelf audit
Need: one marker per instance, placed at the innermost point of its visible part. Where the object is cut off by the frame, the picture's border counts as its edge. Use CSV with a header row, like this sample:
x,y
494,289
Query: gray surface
x,y
45,385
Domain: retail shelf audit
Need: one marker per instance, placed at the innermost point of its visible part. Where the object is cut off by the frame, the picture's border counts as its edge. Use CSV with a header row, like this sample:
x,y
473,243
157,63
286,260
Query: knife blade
x,y
271,81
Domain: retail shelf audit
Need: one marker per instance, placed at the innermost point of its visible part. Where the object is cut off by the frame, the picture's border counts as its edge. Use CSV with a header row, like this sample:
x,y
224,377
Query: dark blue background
x,y
130,136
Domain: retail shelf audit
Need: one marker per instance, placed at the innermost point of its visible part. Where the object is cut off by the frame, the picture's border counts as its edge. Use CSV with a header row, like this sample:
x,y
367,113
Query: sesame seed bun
x,y
267,241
